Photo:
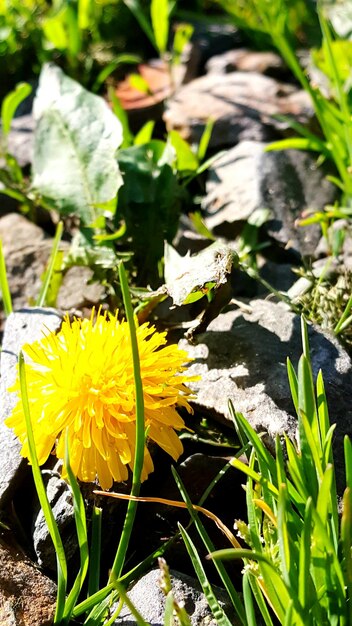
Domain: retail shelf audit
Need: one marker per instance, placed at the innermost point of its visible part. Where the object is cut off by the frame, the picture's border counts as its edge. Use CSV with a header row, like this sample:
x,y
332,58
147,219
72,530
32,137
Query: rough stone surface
x,y
27,598
60,499
287,182
242,357
241,104
27,250
244,60
21,327
148,598
209,39
20,139
76,291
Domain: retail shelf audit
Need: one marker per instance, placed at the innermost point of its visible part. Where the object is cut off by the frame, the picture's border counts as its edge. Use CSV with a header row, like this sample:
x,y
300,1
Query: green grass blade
x,y
43,498
296,143
100,611
295,467
248,600
49,272
159,14
253,522
324,497
241,434
136,8
145,134
140,621
346,540
280,465
95,551
305,587
81,528
97,598
293,382
283,536
4,285
276,589
169,610
10,104
205,140
264,456
323,411
255,475
258,594
217,611
234,596
344,317
140,433
348,460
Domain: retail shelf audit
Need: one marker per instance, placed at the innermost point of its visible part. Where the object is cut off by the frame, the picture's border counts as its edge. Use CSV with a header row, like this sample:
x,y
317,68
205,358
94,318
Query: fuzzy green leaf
x,y
75,144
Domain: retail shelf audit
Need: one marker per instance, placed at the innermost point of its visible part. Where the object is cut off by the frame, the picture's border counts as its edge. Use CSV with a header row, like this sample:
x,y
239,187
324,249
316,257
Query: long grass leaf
x,y
258,594
97,598
275,590
95,551
43,498
218,613
323,411
10,104
305,591
348,460
169,610
234,596
248,600
293,382
323,505
140,432
136,8
283,536
255,475
4,285
51,265
346,540
81,528
159,13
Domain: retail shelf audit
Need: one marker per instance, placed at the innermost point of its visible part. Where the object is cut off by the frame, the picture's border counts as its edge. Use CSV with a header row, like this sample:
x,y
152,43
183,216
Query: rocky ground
x,y
241,356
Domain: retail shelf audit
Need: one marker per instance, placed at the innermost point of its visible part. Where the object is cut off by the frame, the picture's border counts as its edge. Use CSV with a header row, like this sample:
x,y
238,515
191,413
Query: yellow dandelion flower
x,y
81,380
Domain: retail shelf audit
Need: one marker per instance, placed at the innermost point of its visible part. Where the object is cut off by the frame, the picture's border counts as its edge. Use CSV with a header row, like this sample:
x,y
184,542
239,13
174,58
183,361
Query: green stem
x,y
140,433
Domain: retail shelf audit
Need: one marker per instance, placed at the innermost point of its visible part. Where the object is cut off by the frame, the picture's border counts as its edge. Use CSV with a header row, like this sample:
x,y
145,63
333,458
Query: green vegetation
x,y
117,196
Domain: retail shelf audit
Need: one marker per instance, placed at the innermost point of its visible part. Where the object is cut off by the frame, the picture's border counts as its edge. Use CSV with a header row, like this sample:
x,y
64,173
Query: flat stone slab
x,y
242,358
149,600
22,327
242,105
288,182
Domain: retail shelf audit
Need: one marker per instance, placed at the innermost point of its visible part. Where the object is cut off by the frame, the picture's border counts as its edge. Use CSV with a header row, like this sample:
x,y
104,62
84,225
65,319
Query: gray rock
x,y
244,60
20,139
21,327
26,250
149,599
60,499
77,291
242,104
209,39
242,357
287,182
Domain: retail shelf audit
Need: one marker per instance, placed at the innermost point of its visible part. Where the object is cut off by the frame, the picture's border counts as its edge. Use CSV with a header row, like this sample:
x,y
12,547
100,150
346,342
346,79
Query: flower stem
x,y
140,433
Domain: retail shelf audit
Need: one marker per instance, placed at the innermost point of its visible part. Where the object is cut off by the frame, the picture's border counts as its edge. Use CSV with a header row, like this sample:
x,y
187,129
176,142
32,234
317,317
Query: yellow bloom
x,y
81,379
